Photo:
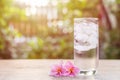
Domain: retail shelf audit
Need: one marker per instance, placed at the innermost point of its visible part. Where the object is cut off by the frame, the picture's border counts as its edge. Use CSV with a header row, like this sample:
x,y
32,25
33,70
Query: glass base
x,y
91,72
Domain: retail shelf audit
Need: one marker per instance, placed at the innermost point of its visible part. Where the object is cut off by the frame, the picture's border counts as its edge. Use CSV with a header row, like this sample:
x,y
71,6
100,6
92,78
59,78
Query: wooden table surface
x,y
39,70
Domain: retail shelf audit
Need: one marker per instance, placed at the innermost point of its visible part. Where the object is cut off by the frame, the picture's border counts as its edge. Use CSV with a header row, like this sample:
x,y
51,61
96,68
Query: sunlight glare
x,y
34,2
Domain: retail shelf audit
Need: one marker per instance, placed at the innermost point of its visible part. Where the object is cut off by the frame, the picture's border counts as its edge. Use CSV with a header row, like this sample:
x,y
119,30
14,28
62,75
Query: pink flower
x,y
57,70
71,70
67,69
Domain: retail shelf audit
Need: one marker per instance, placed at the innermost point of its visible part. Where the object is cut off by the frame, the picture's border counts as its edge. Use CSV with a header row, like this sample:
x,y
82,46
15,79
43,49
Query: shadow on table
x,y
99,76
76,78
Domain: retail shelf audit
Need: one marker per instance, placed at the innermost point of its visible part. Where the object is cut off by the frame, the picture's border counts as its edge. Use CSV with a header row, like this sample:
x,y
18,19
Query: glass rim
x,y
89,19
85,18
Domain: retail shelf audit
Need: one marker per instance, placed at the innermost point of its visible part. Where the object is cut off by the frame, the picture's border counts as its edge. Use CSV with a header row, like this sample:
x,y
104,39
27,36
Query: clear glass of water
x,y
86,45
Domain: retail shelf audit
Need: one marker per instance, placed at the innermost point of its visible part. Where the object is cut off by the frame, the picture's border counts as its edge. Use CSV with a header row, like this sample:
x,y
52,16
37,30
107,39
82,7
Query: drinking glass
x,y
86,45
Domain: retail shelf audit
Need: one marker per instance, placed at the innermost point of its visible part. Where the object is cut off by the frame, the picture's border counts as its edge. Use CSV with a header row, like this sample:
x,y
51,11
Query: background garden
x,y
40,29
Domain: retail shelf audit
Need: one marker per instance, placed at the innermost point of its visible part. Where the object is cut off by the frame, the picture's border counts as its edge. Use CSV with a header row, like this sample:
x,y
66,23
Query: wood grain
x,y
39,70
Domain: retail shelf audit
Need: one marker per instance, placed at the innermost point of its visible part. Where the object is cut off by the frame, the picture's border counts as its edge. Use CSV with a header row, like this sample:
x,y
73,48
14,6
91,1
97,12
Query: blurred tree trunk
x,y
104,16
118,16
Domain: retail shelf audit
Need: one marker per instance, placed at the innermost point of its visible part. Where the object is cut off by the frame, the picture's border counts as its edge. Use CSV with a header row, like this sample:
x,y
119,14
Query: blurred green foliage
x,y
78,8
118,1
52,47
53,42
7,13
112,49
5,41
